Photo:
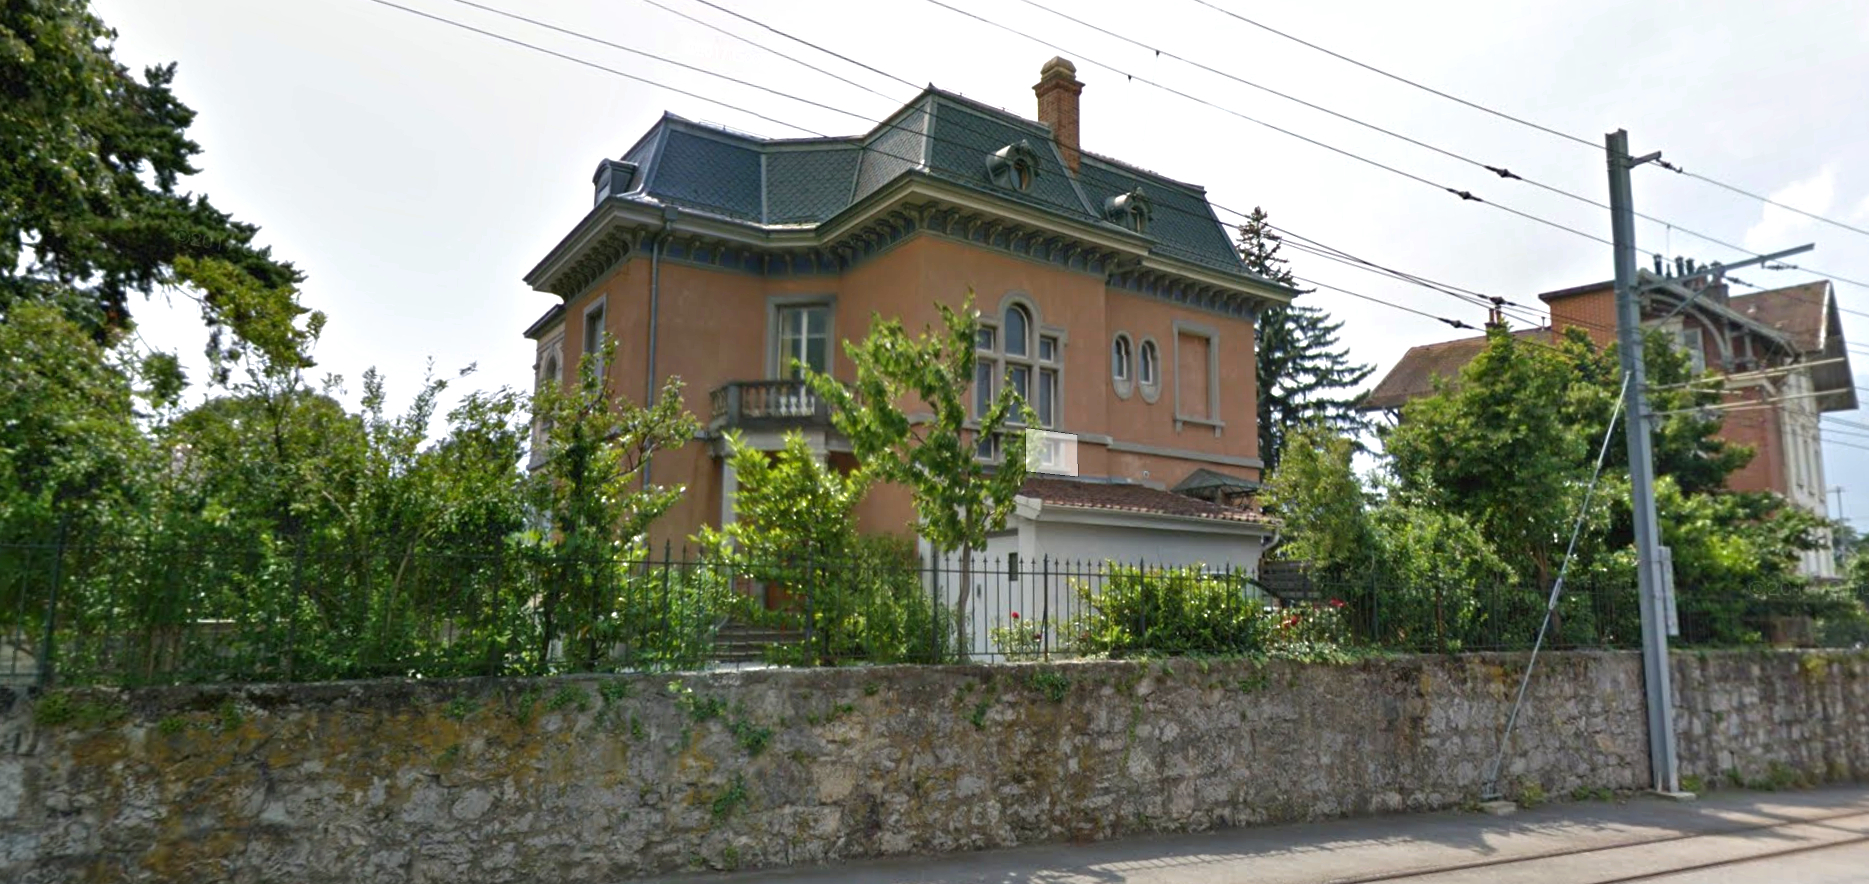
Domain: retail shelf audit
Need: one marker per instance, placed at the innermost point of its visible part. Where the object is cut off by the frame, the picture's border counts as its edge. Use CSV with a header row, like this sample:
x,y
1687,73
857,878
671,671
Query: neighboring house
x,y
1782,353
1112,297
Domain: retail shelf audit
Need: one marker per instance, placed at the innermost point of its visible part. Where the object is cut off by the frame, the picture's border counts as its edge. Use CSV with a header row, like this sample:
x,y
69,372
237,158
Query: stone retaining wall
x,y
602,778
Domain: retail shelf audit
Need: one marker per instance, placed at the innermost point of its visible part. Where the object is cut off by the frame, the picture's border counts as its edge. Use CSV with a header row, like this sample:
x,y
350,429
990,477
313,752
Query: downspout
x,y
655,304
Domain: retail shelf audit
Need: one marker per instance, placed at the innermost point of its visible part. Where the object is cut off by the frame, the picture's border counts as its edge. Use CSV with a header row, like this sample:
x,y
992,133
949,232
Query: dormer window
x,y
1013,166
1131,210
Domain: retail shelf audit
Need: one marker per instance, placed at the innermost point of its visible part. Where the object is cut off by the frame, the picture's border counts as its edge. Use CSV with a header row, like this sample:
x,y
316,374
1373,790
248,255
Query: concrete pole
x,y
1656,675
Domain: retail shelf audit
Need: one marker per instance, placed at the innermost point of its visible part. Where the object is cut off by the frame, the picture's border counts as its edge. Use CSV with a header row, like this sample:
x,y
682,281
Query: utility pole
x,y
1651,567
1838,491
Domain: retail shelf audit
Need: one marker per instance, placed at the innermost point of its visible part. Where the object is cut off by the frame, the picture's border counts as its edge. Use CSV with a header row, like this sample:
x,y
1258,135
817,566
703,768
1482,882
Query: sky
x,y
415,171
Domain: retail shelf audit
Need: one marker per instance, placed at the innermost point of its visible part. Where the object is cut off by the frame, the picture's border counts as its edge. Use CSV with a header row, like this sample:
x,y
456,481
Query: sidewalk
x,y
1341,850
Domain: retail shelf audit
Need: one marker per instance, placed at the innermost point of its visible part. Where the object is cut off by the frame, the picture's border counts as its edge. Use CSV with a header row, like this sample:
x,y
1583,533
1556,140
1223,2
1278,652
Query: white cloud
x,y
1862,210
1777,227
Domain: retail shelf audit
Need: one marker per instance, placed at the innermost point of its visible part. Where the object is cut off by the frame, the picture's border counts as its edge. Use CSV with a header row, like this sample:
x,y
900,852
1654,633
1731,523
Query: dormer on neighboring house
x,y
1781,352
1112,299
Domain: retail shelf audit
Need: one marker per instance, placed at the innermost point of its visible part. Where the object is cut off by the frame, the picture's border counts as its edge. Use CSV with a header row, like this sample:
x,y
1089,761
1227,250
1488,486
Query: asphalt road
x,y
1819,836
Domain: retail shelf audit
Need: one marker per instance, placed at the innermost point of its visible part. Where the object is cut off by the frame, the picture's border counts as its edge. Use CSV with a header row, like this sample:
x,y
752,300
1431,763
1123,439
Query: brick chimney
x,y
1057,91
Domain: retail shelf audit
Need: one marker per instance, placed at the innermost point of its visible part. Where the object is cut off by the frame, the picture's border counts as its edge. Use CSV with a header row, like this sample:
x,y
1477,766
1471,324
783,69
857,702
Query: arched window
x,y
1122,364
1008,359
1150,374
1013,166
1132,210
549,373
1018,331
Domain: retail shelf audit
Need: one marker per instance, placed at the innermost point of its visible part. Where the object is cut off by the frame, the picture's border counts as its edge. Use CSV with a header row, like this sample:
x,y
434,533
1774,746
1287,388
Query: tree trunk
x,y
961,599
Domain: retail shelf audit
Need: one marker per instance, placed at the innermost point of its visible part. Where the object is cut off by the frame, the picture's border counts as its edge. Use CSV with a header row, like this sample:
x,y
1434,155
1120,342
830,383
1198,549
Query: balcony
x,y
767,405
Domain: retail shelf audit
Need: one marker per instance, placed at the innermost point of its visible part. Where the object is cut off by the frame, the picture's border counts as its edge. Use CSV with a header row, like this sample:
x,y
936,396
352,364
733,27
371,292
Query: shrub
x,y
1020,640
1169,611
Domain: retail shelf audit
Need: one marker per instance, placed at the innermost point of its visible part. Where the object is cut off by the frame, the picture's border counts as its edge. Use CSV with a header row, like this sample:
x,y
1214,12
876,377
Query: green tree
x,y
958,496
1321,504
795,526
91,210
791,505
1497,449
71,453
1512,443
589,480
1304,371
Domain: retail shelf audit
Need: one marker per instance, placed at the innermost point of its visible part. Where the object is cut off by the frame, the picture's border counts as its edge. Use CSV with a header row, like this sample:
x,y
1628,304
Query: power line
x,y
1401,79
523,44
1520,120
1453,322
761,46
1500,171
1464,195
654,57
589,64
1475,297
802,41
1496,170
1764,199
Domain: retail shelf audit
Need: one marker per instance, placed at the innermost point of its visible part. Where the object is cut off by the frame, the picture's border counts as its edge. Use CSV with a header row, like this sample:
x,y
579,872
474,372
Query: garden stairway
x,y
744,643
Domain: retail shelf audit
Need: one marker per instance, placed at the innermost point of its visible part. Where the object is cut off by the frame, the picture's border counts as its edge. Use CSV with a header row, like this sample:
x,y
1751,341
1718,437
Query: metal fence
x,y
132,614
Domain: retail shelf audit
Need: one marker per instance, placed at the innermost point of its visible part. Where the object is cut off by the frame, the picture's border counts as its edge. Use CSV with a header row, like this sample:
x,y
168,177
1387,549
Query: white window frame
x,y
994,365
776,359
1213,419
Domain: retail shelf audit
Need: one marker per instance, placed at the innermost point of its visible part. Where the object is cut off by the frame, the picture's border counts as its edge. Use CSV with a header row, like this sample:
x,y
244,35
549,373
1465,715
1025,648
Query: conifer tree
x,y
1305,373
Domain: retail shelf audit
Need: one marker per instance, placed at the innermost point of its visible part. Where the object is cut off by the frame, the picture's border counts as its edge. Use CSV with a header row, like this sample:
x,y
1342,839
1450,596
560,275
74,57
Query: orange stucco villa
x,y
1114,299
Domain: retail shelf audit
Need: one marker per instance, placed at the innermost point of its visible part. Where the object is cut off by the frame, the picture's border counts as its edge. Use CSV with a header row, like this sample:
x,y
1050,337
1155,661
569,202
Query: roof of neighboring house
x,y
1807,315
1414,375
1132,498
1204,479
801,182
1800,311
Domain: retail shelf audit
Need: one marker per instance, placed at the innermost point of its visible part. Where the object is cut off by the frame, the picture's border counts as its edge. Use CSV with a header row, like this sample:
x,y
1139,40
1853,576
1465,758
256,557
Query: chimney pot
x,y
1057,92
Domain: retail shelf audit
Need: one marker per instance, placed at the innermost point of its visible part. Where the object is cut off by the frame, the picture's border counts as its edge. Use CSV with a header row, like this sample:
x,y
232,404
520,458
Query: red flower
x,y
1336,603
1015,615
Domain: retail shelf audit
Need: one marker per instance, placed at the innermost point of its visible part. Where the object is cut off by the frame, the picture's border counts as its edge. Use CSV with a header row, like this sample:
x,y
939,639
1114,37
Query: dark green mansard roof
x,y
790,183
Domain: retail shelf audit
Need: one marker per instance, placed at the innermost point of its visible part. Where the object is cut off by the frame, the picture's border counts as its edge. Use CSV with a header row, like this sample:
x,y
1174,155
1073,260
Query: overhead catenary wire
x,y
1464,195
580,35
589,64
764,48
1401,79
1499,170
1242,215
1672,167
523,44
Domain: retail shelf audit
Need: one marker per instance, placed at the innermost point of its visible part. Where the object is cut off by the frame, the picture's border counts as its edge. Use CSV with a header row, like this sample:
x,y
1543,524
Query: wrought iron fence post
x,y
934,606
1142,585
668,591
298,592
1044,600
1375,601
50,646
809,613
496,648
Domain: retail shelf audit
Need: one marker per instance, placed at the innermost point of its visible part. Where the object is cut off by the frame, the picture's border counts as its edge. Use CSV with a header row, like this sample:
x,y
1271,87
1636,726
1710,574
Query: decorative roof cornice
x,y
915,203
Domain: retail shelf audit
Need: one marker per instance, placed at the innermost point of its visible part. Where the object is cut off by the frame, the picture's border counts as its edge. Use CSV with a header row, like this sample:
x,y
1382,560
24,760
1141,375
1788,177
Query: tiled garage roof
x,y
1134,499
